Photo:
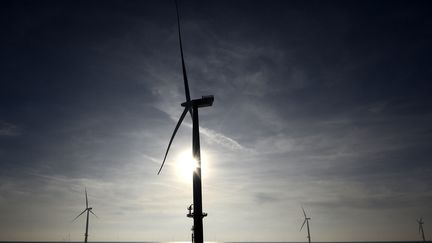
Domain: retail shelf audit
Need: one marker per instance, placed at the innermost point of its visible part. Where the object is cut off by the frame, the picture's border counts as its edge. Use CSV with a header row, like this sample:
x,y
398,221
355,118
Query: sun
x,y
186,165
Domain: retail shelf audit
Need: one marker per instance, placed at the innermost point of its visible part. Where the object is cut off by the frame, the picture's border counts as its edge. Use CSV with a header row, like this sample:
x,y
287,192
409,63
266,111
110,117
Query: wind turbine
x,y
88,210
192,106
420,222
306,221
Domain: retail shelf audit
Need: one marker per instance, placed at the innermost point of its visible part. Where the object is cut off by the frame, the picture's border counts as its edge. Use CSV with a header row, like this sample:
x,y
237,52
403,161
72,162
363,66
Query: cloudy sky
x,y
320,104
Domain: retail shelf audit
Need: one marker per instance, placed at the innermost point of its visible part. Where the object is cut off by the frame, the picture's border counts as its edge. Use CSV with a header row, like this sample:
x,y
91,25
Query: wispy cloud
x,y
221,139
9,130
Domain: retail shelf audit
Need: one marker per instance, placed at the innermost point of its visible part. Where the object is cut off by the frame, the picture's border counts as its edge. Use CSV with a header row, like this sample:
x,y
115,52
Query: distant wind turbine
x,y
306,221
88,210
192,106
420,222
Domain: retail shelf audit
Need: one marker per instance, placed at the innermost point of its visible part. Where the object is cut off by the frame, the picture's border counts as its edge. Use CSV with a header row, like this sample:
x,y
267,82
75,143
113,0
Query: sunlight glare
x,y
185,165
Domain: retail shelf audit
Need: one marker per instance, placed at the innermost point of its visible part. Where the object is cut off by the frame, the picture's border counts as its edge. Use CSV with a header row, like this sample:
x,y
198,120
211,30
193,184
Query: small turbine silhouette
x,y
306,221
420,222
88,210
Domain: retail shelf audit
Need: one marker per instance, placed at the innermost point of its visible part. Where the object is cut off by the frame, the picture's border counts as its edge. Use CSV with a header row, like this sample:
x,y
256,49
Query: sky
x,y
320,104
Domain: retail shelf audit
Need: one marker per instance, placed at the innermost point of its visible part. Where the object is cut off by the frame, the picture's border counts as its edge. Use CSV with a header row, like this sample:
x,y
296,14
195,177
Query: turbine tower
x,y
88,210
192,106
306,221
420,222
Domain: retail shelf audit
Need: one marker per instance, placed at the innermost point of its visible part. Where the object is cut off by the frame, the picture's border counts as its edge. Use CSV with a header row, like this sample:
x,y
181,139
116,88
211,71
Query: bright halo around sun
x,y
186,164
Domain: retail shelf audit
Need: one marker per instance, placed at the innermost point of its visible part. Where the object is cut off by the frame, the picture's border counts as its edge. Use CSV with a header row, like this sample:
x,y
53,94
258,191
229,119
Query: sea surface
x,y
213,242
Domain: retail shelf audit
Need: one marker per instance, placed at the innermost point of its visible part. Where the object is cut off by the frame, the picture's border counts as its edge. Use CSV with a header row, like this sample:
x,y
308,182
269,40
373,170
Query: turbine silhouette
x,y
420,222
192,106
306,221
88,210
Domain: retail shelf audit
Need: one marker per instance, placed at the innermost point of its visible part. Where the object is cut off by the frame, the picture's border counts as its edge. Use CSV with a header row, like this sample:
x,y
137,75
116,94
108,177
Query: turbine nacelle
x,y
205,101
188,105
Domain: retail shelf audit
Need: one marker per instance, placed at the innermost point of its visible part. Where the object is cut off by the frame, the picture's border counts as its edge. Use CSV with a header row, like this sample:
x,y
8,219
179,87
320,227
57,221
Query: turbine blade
x,y
94,214
304,212
304,222
172,137
185,79
86,197
79,215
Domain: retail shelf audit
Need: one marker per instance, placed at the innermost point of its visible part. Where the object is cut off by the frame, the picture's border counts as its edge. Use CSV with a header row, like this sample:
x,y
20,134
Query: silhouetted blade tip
x,y
172,137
